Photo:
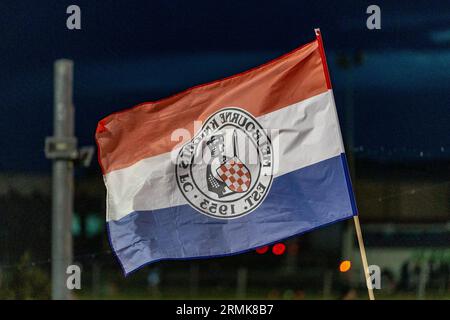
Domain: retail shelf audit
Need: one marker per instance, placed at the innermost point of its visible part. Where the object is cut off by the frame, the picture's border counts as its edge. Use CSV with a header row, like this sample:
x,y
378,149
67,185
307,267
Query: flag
x,y
228,166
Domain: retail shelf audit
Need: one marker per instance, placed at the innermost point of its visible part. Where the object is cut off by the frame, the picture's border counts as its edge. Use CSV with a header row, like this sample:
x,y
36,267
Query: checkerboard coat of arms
x,y
232,172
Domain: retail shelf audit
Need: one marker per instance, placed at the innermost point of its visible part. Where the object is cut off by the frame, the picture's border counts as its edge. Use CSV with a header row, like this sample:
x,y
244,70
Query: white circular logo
x,y
226,170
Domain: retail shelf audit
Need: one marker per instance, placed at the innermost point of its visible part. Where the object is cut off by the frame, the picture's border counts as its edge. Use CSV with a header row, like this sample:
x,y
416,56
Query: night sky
x,y
128,52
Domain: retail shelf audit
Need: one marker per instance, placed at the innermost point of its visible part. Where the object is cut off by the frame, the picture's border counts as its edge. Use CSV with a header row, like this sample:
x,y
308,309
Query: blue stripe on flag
x,y
349,183
299,201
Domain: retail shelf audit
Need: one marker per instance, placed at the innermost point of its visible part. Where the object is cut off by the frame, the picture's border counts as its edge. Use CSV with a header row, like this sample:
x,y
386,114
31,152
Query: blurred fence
x,y
405,211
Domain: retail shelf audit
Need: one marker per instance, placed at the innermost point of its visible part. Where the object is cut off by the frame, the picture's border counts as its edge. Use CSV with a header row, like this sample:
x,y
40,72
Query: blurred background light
x,y
262,250
278,249
345,266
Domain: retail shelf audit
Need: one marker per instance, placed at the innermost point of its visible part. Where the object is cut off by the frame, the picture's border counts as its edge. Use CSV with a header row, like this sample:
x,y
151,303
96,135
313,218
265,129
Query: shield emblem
x,y
235,175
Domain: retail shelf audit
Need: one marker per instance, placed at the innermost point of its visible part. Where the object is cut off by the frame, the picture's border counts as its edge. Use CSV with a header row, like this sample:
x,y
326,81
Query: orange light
x,y
345,266
262,250
278,249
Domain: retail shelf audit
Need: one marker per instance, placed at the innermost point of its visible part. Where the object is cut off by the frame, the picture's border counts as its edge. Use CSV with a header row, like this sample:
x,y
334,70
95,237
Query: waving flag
x,y
228,166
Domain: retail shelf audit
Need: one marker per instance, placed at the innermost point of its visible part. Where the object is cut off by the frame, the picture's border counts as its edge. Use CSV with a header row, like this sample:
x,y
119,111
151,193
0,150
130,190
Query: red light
x,y
262,250
278,249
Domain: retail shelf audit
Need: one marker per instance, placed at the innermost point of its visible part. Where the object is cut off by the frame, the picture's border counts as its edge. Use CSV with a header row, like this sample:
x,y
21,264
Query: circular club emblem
x,y
226,170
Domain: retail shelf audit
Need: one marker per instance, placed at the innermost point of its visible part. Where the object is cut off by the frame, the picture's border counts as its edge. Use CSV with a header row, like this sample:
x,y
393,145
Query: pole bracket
x,y
64,148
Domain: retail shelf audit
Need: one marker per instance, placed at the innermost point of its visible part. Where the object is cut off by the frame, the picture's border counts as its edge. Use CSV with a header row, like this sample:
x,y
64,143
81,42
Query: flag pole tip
x,y
317,31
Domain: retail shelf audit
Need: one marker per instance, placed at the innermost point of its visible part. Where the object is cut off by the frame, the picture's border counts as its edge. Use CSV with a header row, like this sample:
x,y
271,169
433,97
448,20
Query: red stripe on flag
x,y
323,57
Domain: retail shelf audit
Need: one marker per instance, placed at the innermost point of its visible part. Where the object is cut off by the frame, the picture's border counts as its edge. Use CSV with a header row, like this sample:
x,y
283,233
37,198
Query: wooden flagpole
x,y
362,249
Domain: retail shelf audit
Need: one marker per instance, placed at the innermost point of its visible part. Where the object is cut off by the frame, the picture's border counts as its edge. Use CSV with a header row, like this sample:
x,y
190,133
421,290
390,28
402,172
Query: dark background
x,y
128,52
392,89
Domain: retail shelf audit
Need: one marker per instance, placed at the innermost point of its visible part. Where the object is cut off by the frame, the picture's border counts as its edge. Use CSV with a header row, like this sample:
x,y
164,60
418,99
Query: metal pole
x,y
423,279
242,282
62,183
327,284
194,279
